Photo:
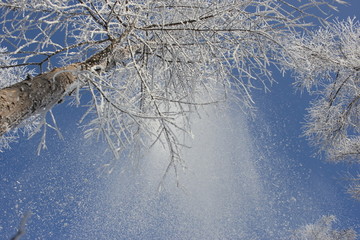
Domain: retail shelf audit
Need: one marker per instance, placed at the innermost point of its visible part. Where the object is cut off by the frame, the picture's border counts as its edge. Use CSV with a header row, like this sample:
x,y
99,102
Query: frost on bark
x,y
40,93
33,95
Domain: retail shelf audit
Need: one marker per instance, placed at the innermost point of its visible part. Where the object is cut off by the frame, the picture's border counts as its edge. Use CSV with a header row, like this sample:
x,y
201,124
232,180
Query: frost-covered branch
x,y
147,64
327,64
323,230
354,189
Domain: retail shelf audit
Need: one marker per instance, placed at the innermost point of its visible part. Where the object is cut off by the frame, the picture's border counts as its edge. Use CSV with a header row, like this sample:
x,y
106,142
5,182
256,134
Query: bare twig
x,y
21,230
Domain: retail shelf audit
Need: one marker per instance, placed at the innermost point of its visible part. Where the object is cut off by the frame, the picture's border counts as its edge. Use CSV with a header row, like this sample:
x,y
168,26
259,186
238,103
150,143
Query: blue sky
x,y
244,178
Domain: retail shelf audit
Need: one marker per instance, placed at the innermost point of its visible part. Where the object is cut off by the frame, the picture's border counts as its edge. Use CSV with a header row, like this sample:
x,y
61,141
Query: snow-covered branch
x,y
327,64
147,64
323,230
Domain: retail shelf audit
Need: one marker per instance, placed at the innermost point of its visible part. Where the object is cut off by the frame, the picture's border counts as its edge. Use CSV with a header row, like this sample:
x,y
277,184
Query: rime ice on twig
x,y
149,64
327,64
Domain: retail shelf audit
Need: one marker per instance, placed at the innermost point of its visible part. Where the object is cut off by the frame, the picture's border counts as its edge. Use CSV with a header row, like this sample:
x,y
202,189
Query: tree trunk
x,y
30,96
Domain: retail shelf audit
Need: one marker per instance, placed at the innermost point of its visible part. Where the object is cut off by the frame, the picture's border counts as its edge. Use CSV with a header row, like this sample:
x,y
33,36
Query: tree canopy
x,y
148,64
323,229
